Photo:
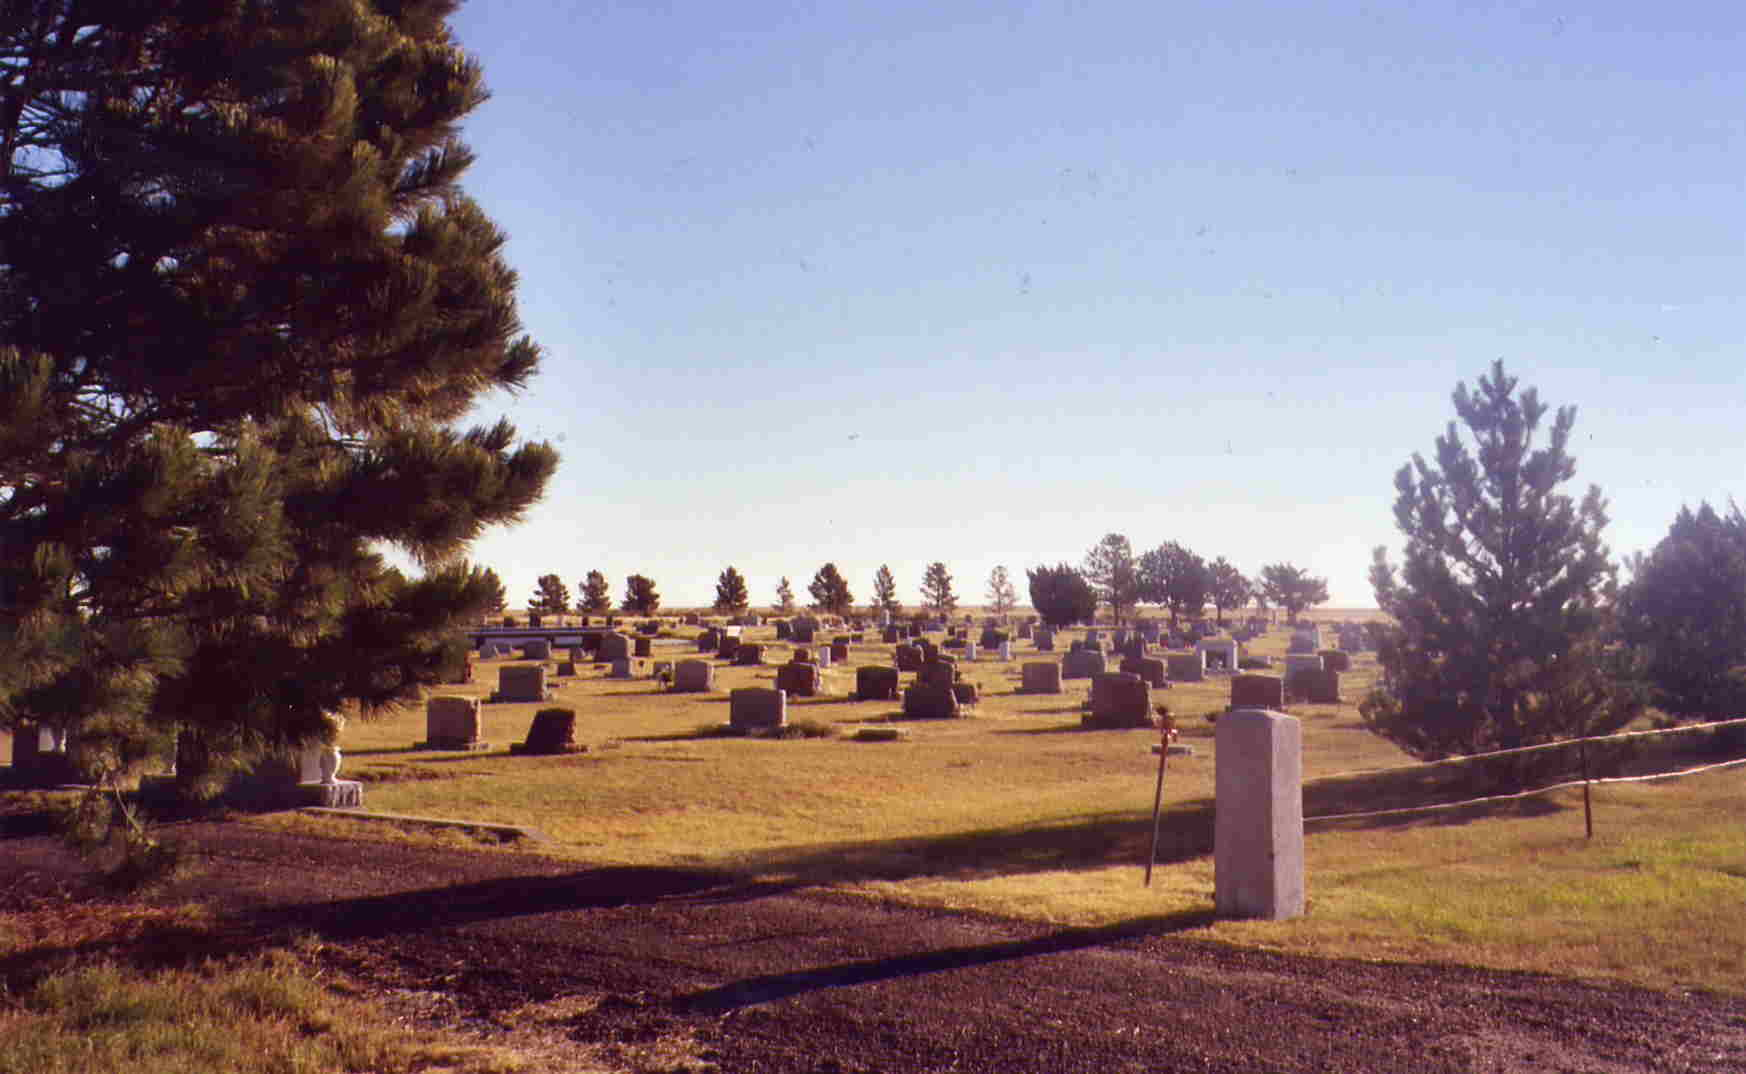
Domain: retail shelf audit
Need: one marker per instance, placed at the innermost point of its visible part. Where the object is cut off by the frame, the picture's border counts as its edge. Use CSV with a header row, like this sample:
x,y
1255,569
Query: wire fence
x,y
1504,775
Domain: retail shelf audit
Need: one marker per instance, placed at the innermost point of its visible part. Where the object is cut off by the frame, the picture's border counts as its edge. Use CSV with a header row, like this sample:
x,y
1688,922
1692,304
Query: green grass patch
x,y
1016,810
261,1015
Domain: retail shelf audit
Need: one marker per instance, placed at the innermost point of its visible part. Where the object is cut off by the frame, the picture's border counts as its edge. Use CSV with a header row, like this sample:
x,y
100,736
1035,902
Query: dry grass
x,y
1016,811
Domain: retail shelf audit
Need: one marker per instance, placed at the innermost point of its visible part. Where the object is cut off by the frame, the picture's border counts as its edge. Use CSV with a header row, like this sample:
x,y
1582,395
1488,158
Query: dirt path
x,y
757,979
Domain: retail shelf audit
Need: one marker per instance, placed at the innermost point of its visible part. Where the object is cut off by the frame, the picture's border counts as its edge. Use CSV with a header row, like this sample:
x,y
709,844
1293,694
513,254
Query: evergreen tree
x,y
1173,576
936,590
885,592
596,595
830,591
1227,587
784,597
551,596
242,301
1684,611
496,597
1002,598
1114,573
730,592
1061,595
640,597
1292,588
1502,600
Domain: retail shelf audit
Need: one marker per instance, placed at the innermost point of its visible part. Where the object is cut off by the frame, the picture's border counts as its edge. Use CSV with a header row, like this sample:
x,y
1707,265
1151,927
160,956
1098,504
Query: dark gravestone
x,y
907,657
709,641
1040,677
1150,669
964,693
840,651
1257,692
1336,660
890,635
930,702
756,708
642,647
1119,700
937,673
1186,667
799,680
1082,664
728,647
614,646
552,731
1318,687
876,684
784,630
748,655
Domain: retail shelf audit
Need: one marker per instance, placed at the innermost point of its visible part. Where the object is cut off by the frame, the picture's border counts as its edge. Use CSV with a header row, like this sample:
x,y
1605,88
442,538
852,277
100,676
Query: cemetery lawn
x,y
1016,811
268,1012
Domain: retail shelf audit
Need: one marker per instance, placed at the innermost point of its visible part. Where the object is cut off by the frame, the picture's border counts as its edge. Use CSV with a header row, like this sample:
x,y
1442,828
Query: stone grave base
x,y
470,746
340,794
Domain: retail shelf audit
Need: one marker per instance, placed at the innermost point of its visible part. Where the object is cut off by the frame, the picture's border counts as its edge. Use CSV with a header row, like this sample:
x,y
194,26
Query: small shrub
x,y
802,729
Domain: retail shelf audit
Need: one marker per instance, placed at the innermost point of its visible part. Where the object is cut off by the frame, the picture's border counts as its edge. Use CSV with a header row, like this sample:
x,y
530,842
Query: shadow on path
x,y
754,990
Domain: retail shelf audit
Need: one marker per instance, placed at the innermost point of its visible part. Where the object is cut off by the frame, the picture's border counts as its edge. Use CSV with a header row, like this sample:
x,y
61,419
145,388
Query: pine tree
x,y
242,301
1113,572
1292,588
1173,576
1061,595
885,592
784,597
1227,587
1684,612
496,597
830,591
730,592
936,590
551,596
1002,598
640,597
596,595
1503,599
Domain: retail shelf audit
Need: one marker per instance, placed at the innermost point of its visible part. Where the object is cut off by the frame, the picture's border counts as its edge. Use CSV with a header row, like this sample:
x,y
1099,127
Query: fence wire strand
x,y
1688,729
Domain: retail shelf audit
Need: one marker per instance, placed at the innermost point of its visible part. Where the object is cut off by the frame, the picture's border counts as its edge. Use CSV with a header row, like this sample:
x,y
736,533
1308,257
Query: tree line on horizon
x,y
1062,596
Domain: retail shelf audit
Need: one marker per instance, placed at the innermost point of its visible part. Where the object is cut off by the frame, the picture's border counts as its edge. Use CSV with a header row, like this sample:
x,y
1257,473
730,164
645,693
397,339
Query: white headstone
x,y
1258,863
970,651
1005,651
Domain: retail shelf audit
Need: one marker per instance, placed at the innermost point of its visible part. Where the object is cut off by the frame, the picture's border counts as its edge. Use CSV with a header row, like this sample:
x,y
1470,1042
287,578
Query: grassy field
x,y
1017,811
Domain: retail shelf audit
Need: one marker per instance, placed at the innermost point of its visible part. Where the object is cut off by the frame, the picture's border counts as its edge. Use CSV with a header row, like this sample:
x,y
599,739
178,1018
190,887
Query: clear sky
x,y
896,282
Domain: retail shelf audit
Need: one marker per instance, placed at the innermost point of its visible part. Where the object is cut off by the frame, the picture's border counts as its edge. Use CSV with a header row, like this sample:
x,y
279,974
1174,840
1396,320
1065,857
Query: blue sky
x,y
981,282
